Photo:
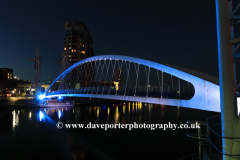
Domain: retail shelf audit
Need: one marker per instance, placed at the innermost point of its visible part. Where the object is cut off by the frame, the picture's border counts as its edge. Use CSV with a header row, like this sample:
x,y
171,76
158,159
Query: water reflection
x,y
39,126
116,116
163,111
15,119
97,112
114,113
178,111
41,115
60,113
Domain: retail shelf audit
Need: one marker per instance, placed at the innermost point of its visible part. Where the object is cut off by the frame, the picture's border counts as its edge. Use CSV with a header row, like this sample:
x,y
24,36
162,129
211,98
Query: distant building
x,y
77,43
16,88
6,73
77,46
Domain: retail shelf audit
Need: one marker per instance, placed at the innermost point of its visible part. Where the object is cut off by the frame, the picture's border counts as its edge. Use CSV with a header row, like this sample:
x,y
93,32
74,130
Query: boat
x,y
56,103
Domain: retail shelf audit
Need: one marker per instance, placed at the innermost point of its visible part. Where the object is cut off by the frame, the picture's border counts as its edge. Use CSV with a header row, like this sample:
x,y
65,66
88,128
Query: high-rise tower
x,y
77,46
77,43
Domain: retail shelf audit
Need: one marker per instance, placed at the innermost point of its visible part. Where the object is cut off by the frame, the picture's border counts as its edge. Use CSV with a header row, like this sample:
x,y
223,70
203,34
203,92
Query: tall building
x,y
77,43
77,46
6,73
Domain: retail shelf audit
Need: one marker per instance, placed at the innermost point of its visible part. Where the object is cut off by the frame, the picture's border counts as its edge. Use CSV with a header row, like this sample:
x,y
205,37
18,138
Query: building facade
x,y
18,88
77,43
6,73
77,46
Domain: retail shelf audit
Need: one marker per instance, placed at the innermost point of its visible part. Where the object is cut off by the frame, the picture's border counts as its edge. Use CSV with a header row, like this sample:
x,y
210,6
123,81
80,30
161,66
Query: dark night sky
x,y
177,32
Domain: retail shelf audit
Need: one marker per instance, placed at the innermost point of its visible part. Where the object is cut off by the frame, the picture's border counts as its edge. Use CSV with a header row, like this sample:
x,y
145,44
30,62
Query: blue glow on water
x,y
59,113
41,115
103,107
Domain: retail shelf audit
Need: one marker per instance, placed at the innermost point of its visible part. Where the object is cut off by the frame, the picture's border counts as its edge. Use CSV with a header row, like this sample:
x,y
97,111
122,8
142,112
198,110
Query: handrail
x,y
207,137
213,126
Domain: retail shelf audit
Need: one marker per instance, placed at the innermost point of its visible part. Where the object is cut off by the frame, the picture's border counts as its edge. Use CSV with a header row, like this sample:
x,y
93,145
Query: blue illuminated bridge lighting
x,y
118,77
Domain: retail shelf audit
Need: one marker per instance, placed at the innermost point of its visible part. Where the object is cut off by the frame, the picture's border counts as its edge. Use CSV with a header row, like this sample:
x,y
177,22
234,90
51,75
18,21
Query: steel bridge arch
x,y
206,96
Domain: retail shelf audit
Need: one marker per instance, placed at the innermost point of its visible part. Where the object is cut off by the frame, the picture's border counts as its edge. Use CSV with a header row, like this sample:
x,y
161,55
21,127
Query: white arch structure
x,y
206,97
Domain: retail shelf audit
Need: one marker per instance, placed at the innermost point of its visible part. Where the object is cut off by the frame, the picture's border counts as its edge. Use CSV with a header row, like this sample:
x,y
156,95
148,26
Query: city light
x,y
41,97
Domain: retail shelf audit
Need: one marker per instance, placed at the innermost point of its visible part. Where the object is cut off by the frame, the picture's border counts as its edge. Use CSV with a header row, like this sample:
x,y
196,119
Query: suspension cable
x,y
91,76
101,75
159,82
162,86
137,77
127,76
106,77
113,68
96,74
120,73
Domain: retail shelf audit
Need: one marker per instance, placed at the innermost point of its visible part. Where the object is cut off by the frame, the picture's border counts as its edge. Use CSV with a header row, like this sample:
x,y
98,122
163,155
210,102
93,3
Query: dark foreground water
x,y
32,133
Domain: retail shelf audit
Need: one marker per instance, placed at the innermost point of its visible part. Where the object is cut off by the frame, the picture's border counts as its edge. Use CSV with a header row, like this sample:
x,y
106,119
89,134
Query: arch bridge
x,y
134,79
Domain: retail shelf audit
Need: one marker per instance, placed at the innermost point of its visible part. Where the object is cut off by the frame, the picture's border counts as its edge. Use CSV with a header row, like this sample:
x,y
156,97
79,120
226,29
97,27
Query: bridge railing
x,y
213,138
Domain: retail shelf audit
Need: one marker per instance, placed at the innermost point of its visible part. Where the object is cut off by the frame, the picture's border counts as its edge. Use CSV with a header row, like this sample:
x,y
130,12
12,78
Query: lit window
x,y
69,48
69,56
83,52
8,73
83,45
64,48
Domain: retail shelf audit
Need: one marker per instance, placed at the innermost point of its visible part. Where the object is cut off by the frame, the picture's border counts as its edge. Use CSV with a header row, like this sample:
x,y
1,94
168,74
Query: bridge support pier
x,y
226,81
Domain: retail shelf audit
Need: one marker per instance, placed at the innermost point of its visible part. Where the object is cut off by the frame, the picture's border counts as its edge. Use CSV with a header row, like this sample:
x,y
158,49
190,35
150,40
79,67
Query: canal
x,y
31,133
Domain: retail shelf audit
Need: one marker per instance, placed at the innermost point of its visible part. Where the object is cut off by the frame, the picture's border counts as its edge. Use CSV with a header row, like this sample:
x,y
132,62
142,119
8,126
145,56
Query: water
x,y
32,133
